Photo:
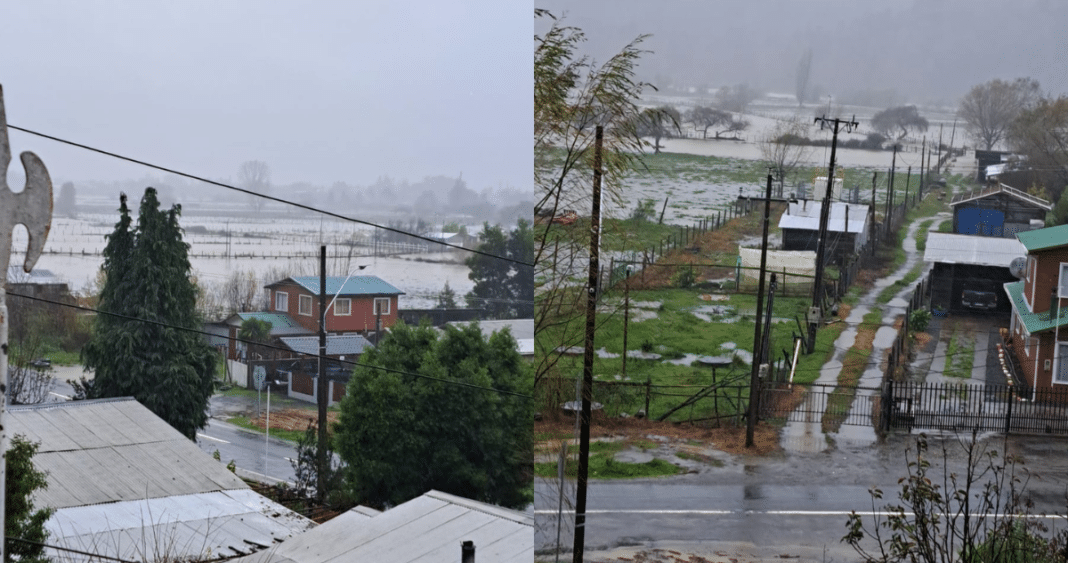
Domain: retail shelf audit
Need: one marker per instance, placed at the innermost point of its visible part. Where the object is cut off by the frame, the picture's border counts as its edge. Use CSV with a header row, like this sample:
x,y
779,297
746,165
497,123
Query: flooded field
x,y
221,246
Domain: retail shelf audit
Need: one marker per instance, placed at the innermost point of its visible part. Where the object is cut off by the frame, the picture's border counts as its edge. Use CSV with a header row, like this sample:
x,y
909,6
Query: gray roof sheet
x,y
219,524
949,248
805,215
336,344
427,529
111,450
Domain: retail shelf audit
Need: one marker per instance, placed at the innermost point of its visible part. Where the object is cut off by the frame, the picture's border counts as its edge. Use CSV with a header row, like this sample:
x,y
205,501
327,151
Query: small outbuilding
x,y
969,272
998,211
848,226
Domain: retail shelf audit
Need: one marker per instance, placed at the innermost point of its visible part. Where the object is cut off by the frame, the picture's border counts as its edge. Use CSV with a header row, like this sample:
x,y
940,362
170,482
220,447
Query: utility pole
x,y
908,177
923,178
587,364
890,191
871,226
938,152
816,312
322,386
626,318
952,134
32,207
758,345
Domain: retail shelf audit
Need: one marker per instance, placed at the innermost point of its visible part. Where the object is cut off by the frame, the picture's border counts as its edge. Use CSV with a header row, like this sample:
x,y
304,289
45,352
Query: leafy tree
x,y
804,69
505,290
66,204
20,518
255,330
705,118
1041,134
989,109
401,435
447,298
645,211
572,97
306,468
1059,215
659,123
900,118
736,98
164,366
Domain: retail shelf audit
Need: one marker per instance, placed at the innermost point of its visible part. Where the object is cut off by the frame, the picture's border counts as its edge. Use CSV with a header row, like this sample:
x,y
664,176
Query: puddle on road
x,y
884,337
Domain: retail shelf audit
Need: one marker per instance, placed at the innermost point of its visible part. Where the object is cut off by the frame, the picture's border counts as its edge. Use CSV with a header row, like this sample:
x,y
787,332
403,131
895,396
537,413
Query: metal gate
x,y
813,402
984,407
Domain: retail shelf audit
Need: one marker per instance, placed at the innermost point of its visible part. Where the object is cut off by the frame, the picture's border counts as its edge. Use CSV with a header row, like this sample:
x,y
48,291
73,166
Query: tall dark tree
x,y
401,435
161,363
1041,134
659,123
21,518
66,203
504,289
900,120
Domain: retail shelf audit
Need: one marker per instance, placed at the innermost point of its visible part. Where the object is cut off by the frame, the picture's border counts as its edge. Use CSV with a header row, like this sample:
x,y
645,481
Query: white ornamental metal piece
x,y
32,208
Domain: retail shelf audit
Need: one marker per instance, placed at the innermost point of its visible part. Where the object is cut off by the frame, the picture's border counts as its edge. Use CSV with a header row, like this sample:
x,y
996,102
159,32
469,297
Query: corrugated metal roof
x,y
336,344
125,484
1033,322
217,524
110,450
1044,239
356,285
805,215
427,529
1001,189
281,323
949,248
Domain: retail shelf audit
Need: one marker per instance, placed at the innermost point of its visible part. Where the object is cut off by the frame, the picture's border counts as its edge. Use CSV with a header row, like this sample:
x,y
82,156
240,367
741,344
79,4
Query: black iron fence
x,y
964,406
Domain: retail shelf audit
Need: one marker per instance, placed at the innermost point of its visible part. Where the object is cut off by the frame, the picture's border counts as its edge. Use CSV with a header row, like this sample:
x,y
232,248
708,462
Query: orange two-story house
x,y
361,304
1039,325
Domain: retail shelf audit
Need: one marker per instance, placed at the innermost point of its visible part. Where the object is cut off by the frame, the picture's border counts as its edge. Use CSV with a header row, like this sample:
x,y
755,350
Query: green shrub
x,y
684,278
919,320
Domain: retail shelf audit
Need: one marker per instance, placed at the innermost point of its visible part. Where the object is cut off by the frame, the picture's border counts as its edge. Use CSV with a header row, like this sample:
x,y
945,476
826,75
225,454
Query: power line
x,y
68,549
265,196
271,346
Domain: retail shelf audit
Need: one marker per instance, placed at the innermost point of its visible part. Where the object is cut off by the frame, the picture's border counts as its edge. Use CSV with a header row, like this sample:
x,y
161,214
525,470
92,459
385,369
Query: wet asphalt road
x,y
249,450
789,500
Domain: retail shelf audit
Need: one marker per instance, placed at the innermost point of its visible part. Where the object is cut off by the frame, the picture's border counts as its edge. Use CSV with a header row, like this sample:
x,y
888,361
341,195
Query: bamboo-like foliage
x,y
573,95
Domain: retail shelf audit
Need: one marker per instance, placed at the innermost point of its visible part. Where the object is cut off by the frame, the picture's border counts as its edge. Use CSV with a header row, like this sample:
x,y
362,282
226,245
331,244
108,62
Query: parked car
x,y
983,300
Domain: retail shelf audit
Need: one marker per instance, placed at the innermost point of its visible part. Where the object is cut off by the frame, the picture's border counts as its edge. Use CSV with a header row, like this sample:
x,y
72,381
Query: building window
x,y
1062,283
281,301
343,307
382,305
1061,375
305,305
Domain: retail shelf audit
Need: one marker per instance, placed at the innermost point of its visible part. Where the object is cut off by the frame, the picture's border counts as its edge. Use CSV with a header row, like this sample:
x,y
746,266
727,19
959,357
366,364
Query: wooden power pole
x,y
587,365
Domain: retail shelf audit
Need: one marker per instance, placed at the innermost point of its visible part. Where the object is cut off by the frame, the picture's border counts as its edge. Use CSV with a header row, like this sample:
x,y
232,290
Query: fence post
x,y
648,391
1008,413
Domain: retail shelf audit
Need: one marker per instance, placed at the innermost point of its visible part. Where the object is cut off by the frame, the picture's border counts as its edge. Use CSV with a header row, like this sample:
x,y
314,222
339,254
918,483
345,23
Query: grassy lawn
x,y
602,465
673,330
244,422
959,357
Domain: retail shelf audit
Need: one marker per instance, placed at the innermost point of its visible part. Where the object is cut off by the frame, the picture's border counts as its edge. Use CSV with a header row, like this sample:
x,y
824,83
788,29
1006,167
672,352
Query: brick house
x,y
1038,333
362,302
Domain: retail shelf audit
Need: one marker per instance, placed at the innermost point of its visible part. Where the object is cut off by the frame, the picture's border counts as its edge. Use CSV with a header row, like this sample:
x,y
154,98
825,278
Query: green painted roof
x,y
1033,322
1043,239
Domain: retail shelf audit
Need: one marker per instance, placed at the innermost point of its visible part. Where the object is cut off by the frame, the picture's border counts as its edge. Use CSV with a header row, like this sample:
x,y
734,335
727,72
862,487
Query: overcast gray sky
x,y
929,51
321,91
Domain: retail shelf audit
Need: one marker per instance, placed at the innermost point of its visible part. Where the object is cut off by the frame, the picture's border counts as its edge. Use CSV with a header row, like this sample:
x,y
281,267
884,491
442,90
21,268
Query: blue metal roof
x,y
356,285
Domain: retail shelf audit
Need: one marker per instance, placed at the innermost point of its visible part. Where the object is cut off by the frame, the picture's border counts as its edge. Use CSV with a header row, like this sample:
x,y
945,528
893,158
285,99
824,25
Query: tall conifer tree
x,y
166,368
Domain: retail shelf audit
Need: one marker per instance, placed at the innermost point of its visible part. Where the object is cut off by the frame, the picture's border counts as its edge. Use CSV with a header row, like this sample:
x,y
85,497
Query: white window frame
x,y
283,298
1057,365
1032,279
302,300
1062,291
347,308
378,300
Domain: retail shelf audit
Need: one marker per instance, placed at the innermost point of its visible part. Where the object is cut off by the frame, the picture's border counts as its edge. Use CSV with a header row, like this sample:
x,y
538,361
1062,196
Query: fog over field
x,y
912,51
